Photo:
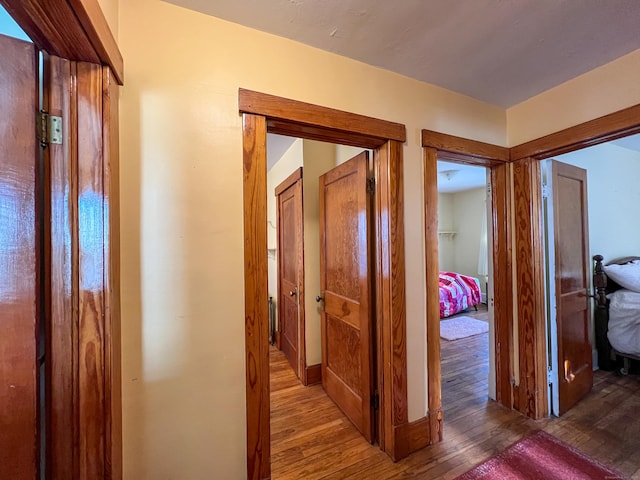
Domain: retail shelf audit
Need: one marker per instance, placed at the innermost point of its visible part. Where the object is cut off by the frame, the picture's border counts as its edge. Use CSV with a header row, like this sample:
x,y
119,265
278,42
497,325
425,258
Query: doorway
x,y
609,184
466,316
262,113
322,277
443,147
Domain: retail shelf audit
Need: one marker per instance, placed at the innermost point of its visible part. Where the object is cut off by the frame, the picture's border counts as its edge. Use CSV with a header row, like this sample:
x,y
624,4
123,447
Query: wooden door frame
x,y
85,422
440,146
530,395
301,361
261,113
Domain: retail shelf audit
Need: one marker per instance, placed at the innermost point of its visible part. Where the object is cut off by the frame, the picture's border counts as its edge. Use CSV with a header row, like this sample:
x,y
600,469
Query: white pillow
x,y
627,275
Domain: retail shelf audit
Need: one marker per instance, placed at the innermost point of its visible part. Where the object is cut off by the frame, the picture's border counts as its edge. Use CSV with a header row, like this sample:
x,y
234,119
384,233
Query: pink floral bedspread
x,y
457,293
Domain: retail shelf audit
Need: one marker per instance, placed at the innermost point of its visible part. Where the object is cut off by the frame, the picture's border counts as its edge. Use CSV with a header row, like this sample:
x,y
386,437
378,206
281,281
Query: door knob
x,y
319,299
292,293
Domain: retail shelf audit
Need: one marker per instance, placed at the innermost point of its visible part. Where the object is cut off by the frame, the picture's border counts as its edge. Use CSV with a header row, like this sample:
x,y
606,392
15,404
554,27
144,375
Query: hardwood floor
x,y
312,439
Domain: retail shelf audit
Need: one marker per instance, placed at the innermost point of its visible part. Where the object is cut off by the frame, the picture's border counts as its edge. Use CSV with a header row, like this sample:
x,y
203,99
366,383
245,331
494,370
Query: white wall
x,y
613,183
468,207
461,212
446,241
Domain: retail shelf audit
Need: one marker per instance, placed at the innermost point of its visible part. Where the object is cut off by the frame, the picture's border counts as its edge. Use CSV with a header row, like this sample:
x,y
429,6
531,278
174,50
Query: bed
x,y
458,293
617,314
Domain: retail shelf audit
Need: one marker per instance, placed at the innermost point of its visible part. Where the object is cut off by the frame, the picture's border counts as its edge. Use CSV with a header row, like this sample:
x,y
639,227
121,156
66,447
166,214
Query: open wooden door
x,y
572,270
345,280
19,261
291,270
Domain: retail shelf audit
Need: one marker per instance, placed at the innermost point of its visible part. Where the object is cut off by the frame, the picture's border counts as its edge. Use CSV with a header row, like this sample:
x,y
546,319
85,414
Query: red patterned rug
x,y
541,456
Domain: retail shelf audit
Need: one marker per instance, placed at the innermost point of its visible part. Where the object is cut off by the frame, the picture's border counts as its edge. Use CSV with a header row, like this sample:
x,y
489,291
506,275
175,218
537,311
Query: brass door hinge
x,y
49,129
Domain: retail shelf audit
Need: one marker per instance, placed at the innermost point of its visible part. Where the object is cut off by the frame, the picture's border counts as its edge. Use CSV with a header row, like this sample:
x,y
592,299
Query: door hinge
x,y
375,400
49,129
545,191
371,186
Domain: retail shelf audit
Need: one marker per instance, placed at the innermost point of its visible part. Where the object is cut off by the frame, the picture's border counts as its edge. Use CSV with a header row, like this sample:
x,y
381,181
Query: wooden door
x,y
345,280
291,270
572,267
19,258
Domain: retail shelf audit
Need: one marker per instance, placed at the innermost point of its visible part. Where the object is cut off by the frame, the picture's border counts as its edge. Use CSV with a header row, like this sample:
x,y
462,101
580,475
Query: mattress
x,y
624,321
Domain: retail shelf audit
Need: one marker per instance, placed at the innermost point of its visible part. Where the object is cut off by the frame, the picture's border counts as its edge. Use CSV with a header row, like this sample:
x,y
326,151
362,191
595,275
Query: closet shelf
x,y
447,234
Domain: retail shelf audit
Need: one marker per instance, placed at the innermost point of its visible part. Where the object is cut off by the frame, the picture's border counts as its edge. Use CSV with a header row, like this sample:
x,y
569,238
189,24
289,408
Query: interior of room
x,y
609,171
464,205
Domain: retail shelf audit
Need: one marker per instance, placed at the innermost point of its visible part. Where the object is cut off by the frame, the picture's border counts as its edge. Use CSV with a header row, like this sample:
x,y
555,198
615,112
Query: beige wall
x,y
607,89
181,193
319,158
111,8
182,256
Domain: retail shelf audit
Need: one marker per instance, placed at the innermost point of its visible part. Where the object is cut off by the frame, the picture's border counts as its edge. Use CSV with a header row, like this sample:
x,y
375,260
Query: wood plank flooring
x,y
312,439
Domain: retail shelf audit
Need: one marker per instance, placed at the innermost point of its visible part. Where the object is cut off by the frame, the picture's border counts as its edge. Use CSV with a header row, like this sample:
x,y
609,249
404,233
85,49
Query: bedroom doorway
x,y
466,316
609,235
567,279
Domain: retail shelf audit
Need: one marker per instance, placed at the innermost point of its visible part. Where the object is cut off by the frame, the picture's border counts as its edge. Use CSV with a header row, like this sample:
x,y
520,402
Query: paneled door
x,y
19,259
345,280
291,270
572,270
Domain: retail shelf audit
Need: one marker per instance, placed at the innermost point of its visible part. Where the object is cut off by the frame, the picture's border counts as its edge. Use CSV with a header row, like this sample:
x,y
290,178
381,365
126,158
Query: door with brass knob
x,y
290,334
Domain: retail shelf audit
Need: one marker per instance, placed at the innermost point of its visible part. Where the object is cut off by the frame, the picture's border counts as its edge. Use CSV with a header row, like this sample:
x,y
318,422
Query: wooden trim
x,y
97,29
290,180
62,272
71,29
313,374
91,273
419,432
256,316
434,377
112,328
390,289
603,129
390,297
530,298
330,124
444,144
502,282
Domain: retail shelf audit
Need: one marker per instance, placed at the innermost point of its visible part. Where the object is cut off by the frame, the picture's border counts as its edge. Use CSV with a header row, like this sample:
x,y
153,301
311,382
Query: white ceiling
x,y
457,177
277,145
498,51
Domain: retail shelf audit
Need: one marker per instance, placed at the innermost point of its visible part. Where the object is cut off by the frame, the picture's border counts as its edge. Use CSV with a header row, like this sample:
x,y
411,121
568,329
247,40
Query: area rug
x,y
541,456
461,327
